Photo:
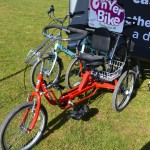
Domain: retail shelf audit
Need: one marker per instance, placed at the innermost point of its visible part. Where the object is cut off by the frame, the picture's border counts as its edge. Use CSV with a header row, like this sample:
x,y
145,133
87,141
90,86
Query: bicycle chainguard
x,y
79,112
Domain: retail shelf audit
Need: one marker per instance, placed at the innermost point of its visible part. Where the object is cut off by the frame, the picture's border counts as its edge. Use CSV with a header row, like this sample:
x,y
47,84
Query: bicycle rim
x,y
73,74
15,135
52,76
125,91
49,77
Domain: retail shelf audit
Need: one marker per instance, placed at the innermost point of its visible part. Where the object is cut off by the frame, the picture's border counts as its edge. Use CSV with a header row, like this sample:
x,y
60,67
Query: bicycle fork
x,y
36,97
35,110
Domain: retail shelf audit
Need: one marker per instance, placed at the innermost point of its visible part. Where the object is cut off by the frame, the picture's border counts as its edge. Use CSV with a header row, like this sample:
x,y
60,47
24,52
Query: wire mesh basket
x,y
114,70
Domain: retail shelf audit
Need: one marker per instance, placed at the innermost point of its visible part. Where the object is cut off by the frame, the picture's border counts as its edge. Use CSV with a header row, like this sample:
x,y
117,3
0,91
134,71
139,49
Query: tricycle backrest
x,y
101,39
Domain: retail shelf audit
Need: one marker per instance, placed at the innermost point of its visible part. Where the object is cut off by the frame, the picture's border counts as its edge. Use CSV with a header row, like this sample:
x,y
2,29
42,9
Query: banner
x,y
140,11
106,13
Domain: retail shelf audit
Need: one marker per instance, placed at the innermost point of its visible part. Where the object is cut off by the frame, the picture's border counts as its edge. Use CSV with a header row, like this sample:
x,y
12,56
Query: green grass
x,y
21,25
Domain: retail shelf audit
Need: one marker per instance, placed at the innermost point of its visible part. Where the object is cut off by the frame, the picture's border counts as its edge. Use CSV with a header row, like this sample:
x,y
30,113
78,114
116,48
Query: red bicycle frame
x,y
66,98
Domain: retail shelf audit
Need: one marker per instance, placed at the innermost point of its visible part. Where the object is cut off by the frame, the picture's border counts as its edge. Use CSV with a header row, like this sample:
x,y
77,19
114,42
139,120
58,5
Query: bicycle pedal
x,y
79,112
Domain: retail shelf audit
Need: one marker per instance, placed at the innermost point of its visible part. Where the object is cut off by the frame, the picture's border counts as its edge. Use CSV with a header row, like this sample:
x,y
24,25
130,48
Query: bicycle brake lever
x,y
30,57
31,51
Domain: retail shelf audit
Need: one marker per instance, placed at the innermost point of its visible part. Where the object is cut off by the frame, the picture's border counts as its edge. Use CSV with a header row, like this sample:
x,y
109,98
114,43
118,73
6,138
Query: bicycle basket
x,y
117,68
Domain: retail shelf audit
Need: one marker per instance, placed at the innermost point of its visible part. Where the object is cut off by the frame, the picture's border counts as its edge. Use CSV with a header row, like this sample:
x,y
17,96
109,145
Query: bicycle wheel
x,y
120,53
72,77
55,74
123,91
14,134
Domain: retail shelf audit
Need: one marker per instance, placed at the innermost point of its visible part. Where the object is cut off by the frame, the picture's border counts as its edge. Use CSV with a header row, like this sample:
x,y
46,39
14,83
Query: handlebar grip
x,y
29,58
82,33
51,9
51,26
76,13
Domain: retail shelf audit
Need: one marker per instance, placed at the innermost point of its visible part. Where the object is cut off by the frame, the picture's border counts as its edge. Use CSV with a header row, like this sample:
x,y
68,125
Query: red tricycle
x,y
25,124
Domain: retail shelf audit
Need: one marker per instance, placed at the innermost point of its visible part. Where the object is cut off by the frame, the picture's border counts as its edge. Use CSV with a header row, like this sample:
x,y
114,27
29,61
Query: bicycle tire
x,y
121,53
9,128
123,91
73,74
54,76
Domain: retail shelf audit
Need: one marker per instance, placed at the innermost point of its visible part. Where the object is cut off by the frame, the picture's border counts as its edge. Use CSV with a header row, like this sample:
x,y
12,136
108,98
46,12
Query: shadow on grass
x,y
138,86
92,112
13,74
62,78
146,146
64,117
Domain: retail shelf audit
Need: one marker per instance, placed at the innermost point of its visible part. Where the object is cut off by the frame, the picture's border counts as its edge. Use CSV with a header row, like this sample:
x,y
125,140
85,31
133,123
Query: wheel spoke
x,y
15,136
124,91
50,75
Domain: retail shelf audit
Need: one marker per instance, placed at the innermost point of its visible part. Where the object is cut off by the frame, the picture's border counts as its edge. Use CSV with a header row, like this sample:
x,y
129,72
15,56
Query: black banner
x,y
140,11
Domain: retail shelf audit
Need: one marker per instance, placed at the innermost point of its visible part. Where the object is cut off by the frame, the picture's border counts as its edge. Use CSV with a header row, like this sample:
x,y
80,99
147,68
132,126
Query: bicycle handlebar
x,y
76,13
71,15
82,33
40,47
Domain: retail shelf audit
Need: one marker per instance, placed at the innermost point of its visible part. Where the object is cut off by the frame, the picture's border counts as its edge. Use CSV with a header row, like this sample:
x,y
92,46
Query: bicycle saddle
x,y
91,58
92,61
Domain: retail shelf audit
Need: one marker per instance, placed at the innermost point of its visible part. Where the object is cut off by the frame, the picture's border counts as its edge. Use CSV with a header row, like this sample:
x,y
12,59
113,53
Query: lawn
x,y
104,129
